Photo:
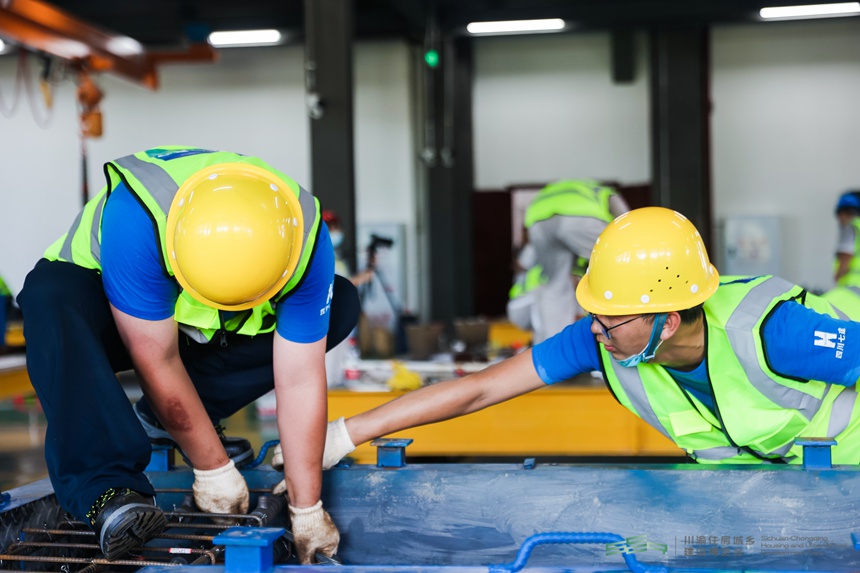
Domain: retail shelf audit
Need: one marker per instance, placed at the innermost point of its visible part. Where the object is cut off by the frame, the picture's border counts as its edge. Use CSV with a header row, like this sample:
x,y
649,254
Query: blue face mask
x,y
651,348
336,239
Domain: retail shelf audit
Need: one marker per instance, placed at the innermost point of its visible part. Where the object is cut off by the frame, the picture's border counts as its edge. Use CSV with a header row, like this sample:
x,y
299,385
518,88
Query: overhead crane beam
x,y
40,26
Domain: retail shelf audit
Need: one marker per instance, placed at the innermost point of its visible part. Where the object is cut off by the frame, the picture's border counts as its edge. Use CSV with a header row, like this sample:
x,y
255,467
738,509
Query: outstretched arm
x,y
450,399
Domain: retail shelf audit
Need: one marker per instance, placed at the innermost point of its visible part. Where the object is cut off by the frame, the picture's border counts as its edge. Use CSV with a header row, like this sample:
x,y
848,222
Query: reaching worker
x,y
731,370
212,275
563,221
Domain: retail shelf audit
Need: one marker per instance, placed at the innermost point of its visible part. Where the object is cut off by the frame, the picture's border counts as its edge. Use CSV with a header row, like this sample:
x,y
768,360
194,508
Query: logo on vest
x,y
831,340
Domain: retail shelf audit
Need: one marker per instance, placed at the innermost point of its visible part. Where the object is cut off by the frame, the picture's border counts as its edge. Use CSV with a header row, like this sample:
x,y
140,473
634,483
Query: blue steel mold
x,y
468,517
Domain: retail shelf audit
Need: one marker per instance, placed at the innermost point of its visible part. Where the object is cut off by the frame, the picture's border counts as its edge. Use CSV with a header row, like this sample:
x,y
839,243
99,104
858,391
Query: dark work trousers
x,y
94,440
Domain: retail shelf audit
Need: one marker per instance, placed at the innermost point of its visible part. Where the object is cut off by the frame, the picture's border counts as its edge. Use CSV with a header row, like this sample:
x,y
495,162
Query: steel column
x,y
328,80
680,108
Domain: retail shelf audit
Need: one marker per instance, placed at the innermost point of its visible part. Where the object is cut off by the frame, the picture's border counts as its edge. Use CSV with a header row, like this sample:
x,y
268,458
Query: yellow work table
x,y
559,420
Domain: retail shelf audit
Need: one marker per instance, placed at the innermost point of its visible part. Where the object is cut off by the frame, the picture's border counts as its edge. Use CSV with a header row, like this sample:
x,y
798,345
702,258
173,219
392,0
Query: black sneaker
x,y
238,449
124,520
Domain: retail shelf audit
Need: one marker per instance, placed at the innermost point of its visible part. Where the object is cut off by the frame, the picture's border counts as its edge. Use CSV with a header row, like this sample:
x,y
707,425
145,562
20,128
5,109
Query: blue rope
x,y
264,451
572,537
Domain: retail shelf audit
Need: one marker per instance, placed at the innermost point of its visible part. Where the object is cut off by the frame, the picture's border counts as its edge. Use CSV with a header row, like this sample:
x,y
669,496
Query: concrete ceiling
x,y
171,23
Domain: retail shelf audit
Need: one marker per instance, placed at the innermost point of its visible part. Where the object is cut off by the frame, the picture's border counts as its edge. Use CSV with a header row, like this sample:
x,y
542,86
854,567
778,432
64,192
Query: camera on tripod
x,y
375,243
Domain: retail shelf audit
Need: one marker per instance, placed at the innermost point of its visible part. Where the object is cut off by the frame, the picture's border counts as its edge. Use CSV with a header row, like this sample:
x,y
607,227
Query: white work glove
x,y
222,490
337,445
313,532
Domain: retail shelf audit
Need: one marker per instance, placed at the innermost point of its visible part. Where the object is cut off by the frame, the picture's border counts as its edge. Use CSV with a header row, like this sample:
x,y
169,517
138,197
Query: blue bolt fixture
x,y
816,452
391,452
855,540
161,459
4,498
571,537
249,549
529,464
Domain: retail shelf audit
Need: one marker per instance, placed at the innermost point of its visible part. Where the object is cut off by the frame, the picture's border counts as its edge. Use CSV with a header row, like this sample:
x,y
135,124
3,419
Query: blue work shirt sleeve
x,y
571,352
132,273
304,315
801,343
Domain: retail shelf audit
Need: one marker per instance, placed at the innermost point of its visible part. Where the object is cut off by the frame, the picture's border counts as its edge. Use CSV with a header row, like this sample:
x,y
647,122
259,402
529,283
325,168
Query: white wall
x,y
785,132
545,108
784,128
251,101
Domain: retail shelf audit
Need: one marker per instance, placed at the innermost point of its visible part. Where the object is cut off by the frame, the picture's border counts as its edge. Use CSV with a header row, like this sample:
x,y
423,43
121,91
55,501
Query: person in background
x,y
5,301
340,267
732,369
563,221
847,263
846,294
528,277
212,275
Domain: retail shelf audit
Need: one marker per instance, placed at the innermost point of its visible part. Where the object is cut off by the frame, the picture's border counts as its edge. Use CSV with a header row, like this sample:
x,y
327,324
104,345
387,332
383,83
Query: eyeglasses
x,y
605,329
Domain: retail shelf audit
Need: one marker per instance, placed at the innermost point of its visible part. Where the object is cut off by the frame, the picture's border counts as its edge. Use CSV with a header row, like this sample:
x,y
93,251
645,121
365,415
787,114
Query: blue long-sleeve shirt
x,y
789,339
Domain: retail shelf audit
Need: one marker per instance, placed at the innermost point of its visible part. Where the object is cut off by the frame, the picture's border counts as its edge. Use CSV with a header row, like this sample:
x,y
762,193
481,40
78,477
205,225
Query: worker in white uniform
x,y
564,220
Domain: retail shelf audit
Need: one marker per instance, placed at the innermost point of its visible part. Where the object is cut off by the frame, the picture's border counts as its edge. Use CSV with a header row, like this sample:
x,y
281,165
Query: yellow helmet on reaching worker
x,y
648,260
234,235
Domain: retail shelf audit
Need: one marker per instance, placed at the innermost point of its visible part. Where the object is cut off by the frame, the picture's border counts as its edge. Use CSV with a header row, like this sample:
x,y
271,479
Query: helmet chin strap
x,y
650,349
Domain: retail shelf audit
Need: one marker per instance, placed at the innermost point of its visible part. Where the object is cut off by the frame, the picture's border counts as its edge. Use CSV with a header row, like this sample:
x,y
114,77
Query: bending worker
x,y
563,221
731,370
212,275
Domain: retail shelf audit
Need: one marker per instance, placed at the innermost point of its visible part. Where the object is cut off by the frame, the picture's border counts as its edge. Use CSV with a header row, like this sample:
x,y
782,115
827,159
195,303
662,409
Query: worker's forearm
x,y
427,405
302,424
173,398
448,399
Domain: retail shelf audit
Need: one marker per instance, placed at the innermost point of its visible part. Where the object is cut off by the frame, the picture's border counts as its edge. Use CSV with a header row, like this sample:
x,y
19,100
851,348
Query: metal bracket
x,y
816,452
391,452
162,458
249,549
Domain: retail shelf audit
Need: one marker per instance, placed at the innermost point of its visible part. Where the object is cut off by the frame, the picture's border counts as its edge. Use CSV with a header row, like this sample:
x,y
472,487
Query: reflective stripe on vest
x,y
740,332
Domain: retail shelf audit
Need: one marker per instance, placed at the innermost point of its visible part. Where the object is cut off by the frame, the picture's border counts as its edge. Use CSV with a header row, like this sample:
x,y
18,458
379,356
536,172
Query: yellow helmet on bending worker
x,y
234,235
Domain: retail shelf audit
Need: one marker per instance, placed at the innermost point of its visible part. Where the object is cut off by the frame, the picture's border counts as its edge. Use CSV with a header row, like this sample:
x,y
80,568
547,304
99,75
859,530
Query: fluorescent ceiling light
x,y
811,10
2,46
515,26
245,38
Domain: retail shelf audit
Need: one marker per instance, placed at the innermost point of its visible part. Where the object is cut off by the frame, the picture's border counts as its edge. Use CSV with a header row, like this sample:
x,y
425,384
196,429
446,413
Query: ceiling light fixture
x,y
516,26
811,10
240,38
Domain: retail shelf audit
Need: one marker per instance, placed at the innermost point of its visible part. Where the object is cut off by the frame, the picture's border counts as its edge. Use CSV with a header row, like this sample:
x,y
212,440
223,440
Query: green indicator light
x,y
432,58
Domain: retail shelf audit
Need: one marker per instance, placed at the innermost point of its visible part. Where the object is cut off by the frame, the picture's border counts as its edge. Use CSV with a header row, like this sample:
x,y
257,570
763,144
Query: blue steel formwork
x,y
473,517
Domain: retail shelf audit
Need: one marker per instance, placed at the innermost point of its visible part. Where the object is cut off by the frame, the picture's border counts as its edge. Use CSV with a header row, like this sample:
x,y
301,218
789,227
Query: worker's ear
x,y
673,321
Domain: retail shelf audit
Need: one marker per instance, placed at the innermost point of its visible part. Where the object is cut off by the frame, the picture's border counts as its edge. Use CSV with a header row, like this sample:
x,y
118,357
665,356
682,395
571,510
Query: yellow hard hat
x,y
234,235
647,261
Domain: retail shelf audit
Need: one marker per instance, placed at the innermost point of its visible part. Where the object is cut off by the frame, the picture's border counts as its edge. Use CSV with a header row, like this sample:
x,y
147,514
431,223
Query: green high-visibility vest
x,y
574,198
852,277
154,177
759,413
527,282
4,288
846,299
